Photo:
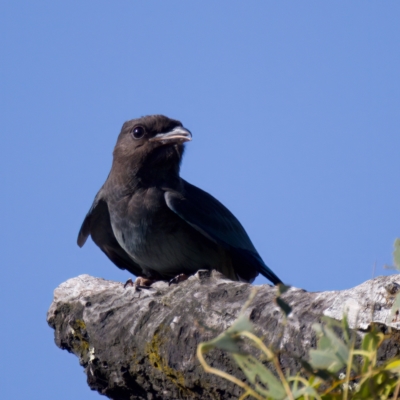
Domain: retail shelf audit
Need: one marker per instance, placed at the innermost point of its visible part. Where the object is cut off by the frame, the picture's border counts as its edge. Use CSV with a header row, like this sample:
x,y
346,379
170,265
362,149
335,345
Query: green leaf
x,y
315,372
241,324
371,341
325,359
393,366
340,348
282,289
306,390
346,329
228,340
283,306
378,386
223,342
331,353
257,373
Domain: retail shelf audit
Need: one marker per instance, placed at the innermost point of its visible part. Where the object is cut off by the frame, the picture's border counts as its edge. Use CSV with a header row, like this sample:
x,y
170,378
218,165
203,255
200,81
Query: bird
x,y
151,222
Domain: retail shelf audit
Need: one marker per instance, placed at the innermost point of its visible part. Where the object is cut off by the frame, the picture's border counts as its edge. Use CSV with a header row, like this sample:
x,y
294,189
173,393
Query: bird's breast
x,y
137,218
144,226
158,239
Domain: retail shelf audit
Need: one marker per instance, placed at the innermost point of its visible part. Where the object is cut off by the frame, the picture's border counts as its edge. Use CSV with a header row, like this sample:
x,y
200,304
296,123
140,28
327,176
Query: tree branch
x,y
142,344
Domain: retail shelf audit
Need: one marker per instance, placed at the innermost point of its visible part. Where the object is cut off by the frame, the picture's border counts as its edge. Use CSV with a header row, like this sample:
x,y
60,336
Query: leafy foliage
x,y
337,369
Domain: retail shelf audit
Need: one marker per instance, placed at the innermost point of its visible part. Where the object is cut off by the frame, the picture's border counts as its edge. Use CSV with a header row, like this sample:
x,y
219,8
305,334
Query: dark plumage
x,y
150,221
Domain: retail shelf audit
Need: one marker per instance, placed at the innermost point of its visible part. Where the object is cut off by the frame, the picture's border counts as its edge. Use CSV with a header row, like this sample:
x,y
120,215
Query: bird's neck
x,y
127,178
157,175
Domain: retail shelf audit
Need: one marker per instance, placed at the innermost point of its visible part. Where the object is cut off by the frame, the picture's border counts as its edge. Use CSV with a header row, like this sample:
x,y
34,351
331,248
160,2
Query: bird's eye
x,y
138,132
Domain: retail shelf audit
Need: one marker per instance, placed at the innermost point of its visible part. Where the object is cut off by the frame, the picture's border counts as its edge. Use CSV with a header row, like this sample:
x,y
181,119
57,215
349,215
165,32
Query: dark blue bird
x,y
151,222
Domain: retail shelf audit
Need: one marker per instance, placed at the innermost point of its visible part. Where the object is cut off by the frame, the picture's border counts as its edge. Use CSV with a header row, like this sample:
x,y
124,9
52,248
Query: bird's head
x,y
151,143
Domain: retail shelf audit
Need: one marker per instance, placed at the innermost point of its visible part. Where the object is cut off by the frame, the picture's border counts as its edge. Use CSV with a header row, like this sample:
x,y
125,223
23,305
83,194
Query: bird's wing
x,y
208,216
97,224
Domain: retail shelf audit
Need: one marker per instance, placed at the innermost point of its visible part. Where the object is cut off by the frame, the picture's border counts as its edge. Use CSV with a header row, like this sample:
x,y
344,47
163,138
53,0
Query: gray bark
x,y
142,344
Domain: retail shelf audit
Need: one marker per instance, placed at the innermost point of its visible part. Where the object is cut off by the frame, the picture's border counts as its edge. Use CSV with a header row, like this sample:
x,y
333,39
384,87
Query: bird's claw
x,y
177,279
140,283
129,282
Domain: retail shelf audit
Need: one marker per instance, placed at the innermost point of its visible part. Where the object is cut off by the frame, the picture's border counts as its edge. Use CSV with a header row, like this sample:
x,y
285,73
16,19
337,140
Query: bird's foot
x,y
140,283
178,278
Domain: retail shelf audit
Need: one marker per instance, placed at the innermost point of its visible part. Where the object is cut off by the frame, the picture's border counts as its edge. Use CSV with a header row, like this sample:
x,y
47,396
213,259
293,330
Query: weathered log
x,y
142,344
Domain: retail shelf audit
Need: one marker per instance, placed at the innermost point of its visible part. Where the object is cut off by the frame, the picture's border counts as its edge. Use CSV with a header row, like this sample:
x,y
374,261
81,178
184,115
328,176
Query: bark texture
x,y
142,344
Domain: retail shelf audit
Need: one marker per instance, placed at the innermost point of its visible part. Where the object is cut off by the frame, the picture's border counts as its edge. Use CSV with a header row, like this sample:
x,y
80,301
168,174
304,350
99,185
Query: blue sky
x,y
294,109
